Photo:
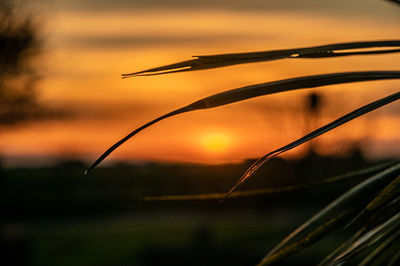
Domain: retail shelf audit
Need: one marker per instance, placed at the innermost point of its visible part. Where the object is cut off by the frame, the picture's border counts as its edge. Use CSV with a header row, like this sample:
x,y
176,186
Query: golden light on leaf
x,y
216,142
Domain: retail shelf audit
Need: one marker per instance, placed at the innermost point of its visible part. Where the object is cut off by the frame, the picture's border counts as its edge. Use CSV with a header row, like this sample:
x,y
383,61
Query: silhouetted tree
x,y
19,44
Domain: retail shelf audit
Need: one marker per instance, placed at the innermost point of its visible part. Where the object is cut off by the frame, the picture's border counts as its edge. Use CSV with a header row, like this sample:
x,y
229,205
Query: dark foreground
x,y
57,216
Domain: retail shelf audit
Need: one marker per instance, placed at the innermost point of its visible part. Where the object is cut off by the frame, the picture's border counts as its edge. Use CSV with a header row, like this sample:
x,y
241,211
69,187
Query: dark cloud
x,y
138,40
308,5
102,110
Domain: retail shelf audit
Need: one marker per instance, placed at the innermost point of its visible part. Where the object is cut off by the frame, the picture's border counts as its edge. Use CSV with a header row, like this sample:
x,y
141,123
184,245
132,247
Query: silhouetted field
x,y
57,216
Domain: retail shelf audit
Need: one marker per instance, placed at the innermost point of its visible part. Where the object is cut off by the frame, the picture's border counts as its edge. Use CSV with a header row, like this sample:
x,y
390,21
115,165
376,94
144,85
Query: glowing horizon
x,y
87,51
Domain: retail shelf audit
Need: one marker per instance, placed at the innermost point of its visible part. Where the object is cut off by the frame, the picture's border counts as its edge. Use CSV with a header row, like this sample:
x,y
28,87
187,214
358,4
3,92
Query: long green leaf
x,y
386,194
395,260
370,238
389,192
223,60
378,252
249,92
323,229
328,259
380,215
334,124
333,215
272,191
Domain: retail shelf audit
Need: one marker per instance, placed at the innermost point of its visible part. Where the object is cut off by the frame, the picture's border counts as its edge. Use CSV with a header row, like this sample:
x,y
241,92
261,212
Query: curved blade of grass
x,y
383,213
386,194
389,192
395,260
252,91
271,191
222,60
370,238
323,229
328,259
378,252
333,214
334,124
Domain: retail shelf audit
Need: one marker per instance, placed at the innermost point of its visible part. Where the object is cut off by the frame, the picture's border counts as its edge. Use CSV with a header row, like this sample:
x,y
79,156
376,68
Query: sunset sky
x,y
89,44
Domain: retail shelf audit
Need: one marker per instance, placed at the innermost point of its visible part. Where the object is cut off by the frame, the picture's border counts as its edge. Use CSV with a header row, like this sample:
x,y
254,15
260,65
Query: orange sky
x,y
87,50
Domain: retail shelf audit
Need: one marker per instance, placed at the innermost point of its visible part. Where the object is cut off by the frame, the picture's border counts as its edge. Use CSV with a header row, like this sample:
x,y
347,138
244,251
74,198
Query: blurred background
x,y
62,103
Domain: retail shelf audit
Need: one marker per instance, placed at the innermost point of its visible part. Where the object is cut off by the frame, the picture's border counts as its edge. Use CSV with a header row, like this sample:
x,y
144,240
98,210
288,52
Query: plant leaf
x,y
334,124
252,91
370,238
395,259
386,194
389,192
325,228
223,60
383,213
272,191
334,214
376,253
328,259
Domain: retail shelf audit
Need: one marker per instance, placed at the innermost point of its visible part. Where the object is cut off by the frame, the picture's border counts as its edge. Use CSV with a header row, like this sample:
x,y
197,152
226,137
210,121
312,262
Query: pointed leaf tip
x,y
322,130
322,51
252,91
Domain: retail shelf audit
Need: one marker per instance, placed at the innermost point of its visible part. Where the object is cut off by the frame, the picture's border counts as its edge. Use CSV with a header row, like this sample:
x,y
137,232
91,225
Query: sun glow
x,y
216,142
